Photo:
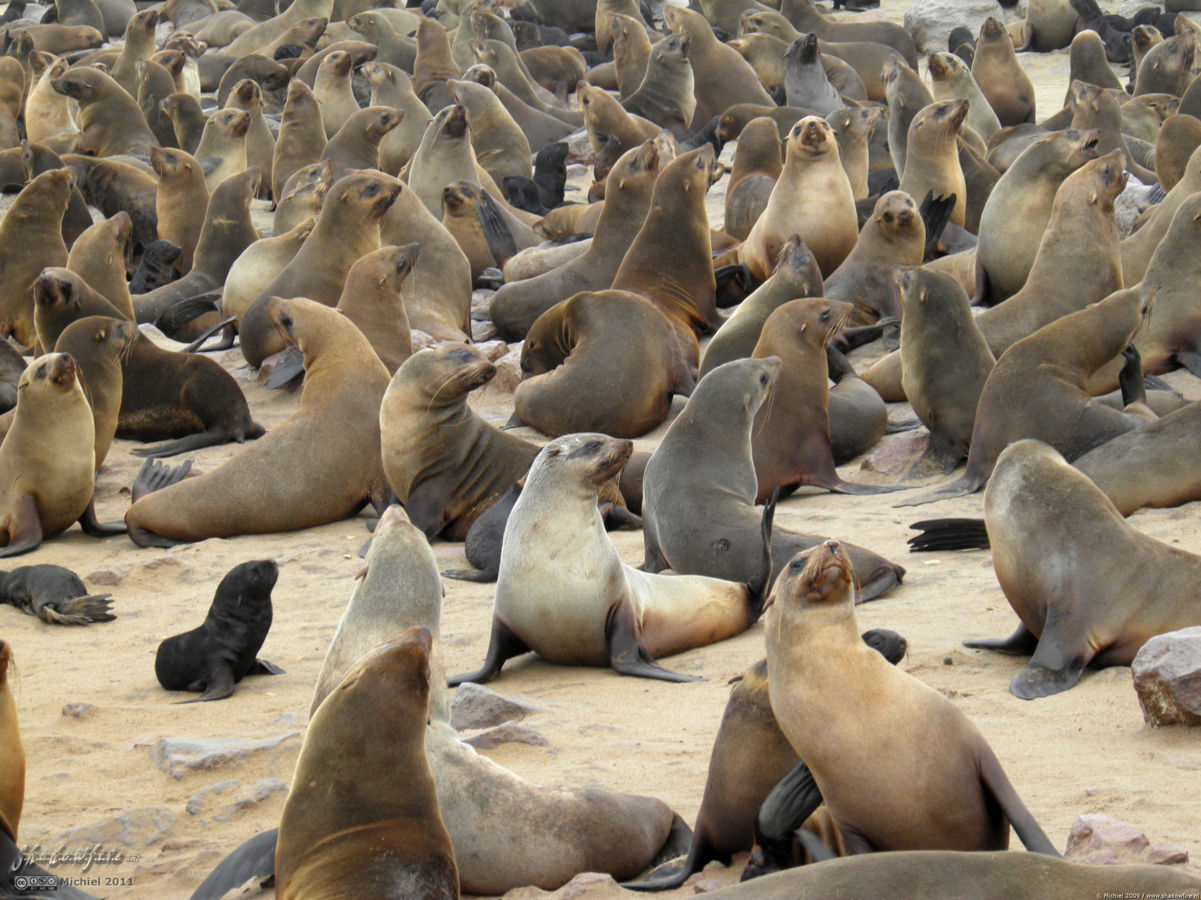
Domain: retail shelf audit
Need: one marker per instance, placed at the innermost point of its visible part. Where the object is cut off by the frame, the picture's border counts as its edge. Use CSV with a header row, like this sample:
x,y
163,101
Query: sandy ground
x,y
1085,751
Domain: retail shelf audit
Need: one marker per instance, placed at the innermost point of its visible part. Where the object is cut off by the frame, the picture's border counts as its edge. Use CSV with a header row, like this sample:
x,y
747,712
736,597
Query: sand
x,y
1084,751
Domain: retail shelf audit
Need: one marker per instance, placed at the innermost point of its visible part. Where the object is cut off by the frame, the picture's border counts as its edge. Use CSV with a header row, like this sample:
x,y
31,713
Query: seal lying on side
x,y
224,649
345,832
1114,589
829,690
54,595
704,464
564,593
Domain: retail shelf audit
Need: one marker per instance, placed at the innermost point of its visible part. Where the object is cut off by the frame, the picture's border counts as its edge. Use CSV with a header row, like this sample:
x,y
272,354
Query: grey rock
x,y
1166,854
475,706
1167,678
78,710
134,829
175,756
108,577
205,798
508,371
930,21
421,340
508,733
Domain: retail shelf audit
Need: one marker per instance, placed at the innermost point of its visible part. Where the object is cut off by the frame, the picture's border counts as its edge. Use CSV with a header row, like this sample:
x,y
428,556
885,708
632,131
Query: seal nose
x,y
831,544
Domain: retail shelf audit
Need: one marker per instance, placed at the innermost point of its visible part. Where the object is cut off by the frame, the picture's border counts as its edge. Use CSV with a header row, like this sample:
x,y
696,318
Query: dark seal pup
x,y
54,595
223,650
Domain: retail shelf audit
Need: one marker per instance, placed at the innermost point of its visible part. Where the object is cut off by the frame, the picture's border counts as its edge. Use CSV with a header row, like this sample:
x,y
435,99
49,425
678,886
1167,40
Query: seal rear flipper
x,y
211,437
665,878
253,859
849,339
627,654
262,667
968,484
997,783
77,611
1050,670
287,368
219,685
183,312
480,576
793,800
1021,643
935,213
154,476
949,534
93,528
25,531
227,339
617,517
503,645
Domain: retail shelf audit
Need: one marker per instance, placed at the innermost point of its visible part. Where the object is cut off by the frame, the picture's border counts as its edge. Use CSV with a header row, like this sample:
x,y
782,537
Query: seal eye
x,y
286,321
888,217
825,316
371,190
592,446
798,564
763,379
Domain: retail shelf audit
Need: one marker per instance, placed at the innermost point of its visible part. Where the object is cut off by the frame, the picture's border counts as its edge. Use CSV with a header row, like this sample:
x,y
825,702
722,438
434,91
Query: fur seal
x,y
758,161
1136,250
855,129
12,753
181,198
932,155
110,120
270,485
333,92
812,198
100,346
247,95
500,145
301,136
392,86
257,265
49,114
1097,108
1166,68
371,299
806,83
1178,137
445,463
32,228
303,196
945,363
677,228
187,119
224,649
704,462
665,96
222,147
54,595
47,460
1087,611
952,795
1059,358
1001,77
516,306
620,617
340,832
806,17
98,256
356,144
571,381
952,79
347,228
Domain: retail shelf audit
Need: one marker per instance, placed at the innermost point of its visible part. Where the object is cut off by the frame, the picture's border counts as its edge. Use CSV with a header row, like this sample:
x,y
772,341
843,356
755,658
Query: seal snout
x,y
59,370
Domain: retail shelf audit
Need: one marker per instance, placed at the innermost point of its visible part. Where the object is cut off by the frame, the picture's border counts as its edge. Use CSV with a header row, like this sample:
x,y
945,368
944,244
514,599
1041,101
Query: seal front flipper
x,y
996,782
779,821
1021,643
968,484
253,859
1130,380
25,530
935,213
1051,669
496,230
92,527
948,534
286,369
262,667
218,686
627,654
503,645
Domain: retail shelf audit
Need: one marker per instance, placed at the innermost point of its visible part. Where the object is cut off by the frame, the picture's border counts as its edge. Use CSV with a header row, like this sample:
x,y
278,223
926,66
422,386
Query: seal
x,y
356,144
500,145
110,120
572,382
1060,358
796,275
180,202
321,465
47,460
301,136
631,50
445,463
222,145
665,95
791,438
894,235
812,198
1085,612
347,228
806,83
954,795
945,363
302,198
1097,108
1136,250
55,595
187,119
224,649
621,617
677,228
1178,137
758,161
517,305
856,130
100,346
704,463
260,141
371,299
1001,77
392,86
804,16
952,79
32,226
257,265
932,155
341,832
12,753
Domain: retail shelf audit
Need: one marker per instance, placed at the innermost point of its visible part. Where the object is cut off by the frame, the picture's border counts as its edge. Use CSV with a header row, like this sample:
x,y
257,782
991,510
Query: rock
x,y
1166,854
197,803
108,577
134,829
178,755
897,452
1167,678
579,148
1130,204
931,21
482,330
492,350
508,733
227,798
475,706
508,371
1099,839
421,340
78,710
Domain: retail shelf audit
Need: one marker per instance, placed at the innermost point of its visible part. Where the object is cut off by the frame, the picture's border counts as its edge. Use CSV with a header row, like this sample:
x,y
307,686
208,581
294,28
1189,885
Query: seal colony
x,y
374,175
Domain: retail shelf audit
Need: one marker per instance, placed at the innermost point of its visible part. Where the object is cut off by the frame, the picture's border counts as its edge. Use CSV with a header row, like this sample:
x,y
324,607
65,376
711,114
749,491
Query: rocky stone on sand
x,y
931,21
508,733
475,706
1167,678
133,829
585,886
175,756
227,798
1101,840
78,710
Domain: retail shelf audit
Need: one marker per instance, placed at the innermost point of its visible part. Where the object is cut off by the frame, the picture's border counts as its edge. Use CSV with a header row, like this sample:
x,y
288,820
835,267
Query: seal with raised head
x,y
571,381
224,649
342,833
1001,77
98,256
32,229
371,299
100,347
110,120
181,200
828,689
619,616
932,156
321,465
1115,587
445,463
